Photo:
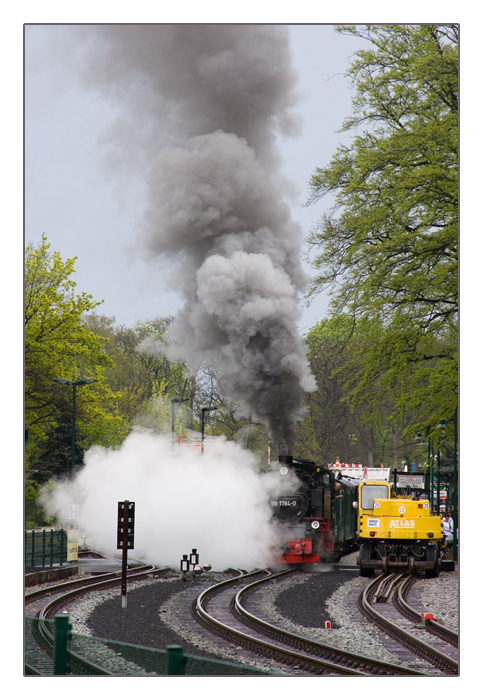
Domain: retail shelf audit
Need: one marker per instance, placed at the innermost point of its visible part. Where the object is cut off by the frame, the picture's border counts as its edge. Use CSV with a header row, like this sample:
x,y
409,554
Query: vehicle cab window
x,y
371,492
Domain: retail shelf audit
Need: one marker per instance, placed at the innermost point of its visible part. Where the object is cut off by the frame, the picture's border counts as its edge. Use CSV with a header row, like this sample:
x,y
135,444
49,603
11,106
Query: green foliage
x,y
388,247
250,435
140,373
395,243
334,427
159,415
58,344
369,405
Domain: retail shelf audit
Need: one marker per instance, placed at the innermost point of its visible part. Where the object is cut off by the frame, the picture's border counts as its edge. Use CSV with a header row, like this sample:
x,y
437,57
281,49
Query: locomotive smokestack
x,y
285,459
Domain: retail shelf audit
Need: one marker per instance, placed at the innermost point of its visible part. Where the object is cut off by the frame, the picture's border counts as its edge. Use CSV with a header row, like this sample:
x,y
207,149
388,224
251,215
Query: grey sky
x,y
70,196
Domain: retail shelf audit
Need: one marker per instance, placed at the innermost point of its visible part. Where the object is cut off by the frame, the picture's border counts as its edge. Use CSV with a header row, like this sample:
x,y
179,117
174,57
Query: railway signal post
x,y
125,540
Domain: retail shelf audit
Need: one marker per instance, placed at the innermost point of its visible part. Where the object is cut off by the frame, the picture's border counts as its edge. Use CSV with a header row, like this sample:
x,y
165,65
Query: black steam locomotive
x,y
317,521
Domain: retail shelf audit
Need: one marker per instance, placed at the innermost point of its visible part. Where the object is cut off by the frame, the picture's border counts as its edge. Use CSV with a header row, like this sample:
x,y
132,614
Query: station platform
x,y
84,565
92,566
35,576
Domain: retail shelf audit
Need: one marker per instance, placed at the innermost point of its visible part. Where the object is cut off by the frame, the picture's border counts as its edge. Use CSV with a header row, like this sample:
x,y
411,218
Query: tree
x,y
140,372
335,427
59,344
329,415
251,435
352,415
388,247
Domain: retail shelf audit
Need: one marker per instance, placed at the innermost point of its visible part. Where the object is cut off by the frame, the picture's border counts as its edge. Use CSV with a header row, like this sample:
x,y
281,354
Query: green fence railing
x,y
120,659
45,547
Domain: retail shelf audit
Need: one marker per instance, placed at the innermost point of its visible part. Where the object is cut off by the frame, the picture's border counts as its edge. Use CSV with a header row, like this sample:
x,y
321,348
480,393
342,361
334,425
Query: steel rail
x,y
41,626
432,626
417,646
310,655
31,671
342,658
387,587
78,664
261,647
79,583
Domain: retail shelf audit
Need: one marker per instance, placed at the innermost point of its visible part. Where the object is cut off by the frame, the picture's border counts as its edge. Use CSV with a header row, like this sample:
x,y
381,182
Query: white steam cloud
x,y
201,107
213,502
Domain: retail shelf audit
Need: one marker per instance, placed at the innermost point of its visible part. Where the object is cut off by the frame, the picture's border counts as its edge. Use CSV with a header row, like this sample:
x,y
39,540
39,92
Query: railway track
x,y
384,602
48,602
73,584
222,610
226,610
431,626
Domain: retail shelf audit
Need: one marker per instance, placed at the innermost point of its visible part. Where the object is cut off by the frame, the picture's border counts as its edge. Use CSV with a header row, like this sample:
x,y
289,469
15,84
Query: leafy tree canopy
x,y
140,370
356,431
58,344
387,247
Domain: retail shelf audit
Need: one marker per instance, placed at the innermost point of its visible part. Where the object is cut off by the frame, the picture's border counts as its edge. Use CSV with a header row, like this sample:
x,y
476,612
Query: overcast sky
x,y
69,196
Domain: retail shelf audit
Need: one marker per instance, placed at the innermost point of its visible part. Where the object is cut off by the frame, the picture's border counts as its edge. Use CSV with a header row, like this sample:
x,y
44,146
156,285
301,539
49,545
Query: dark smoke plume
x,y
203,105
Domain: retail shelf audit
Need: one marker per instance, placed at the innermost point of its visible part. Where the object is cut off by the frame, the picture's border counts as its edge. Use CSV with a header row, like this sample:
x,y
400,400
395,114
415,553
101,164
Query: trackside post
x,y
125,540
175,660
61,637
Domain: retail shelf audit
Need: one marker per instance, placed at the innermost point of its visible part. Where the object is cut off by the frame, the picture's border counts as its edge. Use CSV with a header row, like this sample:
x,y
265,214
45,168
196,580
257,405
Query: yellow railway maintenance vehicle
x,y
397,532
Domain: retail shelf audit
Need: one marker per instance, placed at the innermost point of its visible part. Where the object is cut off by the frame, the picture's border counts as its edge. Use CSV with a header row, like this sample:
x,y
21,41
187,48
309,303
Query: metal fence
x,y
45,548
117,658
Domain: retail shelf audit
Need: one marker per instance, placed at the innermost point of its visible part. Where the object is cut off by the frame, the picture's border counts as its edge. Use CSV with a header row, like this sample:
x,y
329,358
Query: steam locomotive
x,y
317,520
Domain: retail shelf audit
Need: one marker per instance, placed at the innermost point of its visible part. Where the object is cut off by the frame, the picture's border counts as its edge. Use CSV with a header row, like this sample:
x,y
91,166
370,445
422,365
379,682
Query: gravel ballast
x,y
156,612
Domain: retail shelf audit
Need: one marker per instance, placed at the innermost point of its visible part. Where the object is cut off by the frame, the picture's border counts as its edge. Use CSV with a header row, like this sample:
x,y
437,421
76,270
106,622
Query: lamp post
x,y
442,425
173,402
74,385
429,480
455,487
203,411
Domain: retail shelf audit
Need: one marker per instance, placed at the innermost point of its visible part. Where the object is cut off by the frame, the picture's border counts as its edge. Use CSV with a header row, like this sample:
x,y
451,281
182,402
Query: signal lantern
x,y
194,557
184,564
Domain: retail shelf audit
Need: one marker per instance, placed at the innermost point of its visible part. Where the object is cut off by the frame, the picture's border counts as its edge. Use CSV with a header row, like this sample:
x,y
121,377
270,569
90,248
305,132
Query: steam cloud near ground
x,y
214,502
200,109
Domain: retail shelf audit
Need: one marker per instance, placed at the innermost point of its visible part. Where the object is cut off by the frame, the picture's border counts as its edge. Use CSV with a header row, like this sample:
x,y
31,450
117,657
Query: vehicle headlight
x,y
315,524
